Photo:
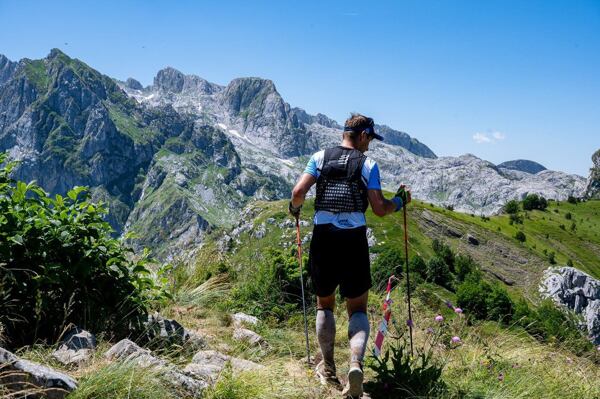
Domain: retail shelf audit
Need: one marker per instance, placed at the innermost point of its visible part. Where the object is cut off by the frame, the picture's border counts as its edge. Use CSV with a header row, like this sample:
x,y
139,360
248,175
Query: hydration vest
x,y
340,187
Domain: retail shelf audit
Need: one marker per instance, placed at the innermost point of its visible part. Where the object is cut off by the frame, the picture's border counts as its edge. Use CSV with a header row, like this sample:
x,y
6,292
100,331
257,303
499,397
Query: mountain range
x,y
182,156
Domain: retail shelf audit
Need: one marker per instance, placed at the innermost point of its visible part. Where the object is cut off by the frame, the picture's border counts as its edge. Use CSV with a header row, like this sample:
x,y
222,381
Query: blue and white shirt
x,y
344,220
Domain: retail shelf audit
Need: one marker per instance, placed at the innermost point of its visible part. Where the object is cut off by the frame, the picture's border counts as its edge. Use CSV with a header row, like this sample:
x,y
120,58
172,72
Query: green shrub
x,y
520,236
418,265
445,252
551,257
471,296
499,306
60,265
568,216
573,200
515,218
272,287
511,207
464,265
389,261
437,271
399,375
534,201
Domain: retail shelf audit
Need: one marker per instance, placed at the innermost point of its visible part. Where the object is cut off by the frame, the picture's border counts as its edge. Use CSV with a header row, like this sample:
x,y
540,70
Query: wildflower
x,y
500,377
439,318
455,340
458,310
569,360
430,330
449,305
410,323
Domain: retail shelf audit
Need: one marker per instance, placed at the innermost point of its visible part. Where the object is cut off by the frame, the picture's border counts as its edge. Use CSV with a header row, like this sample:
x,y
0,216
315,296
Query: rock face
x,y
166,331
593,183
69,125
208,364
19,374
523,165
578,292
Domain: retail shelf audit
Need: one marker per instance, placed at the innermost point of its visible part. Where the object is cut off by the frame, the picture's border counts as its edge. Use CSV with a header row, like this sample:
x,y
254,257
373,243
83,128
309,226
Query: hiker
x,y
347,182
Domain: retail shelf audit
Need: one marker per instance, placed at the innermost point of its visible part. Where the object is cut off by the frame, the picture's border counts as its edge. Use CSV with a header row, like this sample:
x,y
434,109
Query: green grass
x,y
128,125
543,232
36,73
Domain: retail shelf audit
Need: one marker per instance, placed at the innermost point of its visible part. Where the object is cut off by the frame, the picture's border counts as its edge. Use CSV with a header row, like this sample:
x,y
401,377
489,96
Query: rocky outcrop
x,y
129,352
18,375
523,165
133,84
161,331
576,291
7,68
593,183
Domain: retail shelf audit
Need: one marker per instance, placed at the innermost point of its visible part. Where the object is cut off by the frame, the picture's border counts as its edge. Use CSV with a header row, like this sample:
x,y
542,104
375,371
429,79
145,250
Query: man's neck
x,y
348,144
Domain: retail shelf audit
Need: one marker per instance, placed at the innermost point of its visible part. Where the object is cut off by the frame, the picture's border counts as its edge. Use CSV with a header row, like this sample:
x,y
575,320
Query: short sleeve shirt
x,y
344,220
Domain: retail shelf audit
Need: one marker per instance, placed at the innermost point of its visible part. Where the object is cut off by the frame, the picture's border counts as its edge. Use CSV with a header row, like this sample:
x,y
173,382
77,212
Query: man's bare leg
x,y
326,335
358,334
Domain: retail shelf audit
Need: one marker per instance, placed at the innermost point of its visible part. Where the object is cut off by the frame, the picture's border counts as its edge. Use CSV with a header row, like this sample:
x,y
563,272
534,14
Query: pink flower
x,y
430,330
455,340
439,318
458,310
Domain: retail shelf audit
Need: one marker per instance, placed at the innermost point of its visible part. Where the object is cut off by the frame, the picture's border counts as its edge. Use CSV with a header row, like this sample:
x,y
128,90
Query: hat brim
x,y
378,137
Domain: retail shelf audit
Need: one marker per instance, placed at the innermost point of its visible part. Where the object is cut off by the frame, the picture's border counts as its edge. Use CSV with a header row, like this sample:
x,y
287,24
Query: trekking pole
x,y
302,285
410,319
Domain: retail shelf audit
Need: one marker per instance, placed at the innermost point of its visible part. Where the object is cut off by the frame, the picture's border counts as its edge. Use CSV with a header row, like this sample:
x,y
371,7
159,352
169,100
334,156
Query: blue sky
x,y
499,79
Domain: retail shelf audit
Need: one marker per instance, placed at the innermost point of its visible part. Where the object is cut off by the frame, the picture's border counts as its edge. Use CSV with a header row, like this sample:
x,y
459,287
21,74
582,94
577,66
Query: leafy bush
x,y
511,207
520,236
552,257
534,201
418,265
499,306
60,265
445,252
573,200
464,265
437,271
271,288
515,218
471,296
568,215
399,375
389,261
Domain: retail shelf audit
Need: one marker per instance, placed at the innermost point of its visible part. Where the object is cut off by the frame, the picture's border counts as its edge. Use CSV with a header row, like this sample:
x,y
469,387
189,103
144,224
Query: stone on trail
x,y
248,336
239,319
208,364
18,374
76,346
170,331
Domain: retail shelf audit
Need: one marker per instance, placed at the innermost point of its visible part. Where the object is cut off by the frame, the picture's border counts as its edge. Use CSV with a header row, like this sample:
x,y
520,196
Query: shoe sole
x,y
355,381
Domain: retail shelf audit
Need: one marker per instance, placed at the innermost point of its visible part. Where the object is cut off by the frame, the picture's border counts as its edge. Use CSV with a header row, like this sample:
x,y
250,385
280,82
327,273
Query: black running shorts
x,y
339,257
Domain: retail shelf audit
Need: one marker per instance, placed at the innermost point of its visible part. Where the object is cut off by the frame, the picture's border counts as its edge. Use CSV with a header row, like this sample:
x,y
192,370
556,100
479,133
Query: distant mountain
x,y
593,184
180,157
523,165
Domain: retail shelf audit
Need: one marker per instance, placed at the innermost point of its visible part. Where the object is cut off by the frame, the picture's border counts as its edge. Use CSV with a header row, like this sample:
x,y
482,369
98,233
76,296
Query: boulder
x,y
160,330
248,336
577,291
76,346
472,239
19,374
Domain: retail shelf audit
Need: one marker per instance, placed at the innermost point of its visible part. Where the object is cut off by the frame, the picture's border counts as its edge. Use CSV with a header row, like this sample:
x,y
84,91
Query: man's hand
x,y
401,198
295,211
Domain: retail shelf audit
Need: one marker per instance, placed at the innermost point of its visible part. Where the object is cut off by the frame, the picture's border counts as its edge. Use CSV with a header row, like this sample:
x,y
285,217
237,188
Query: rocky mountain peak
x,y
402,139
523,165
169,80
7,68
593,183
249,94
133,84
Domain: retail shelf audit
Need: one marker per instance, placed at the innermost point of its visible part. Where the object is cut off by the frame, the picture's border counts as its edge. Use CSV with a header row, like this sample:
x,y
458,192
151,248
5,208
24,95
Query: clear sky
x,y
499,79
